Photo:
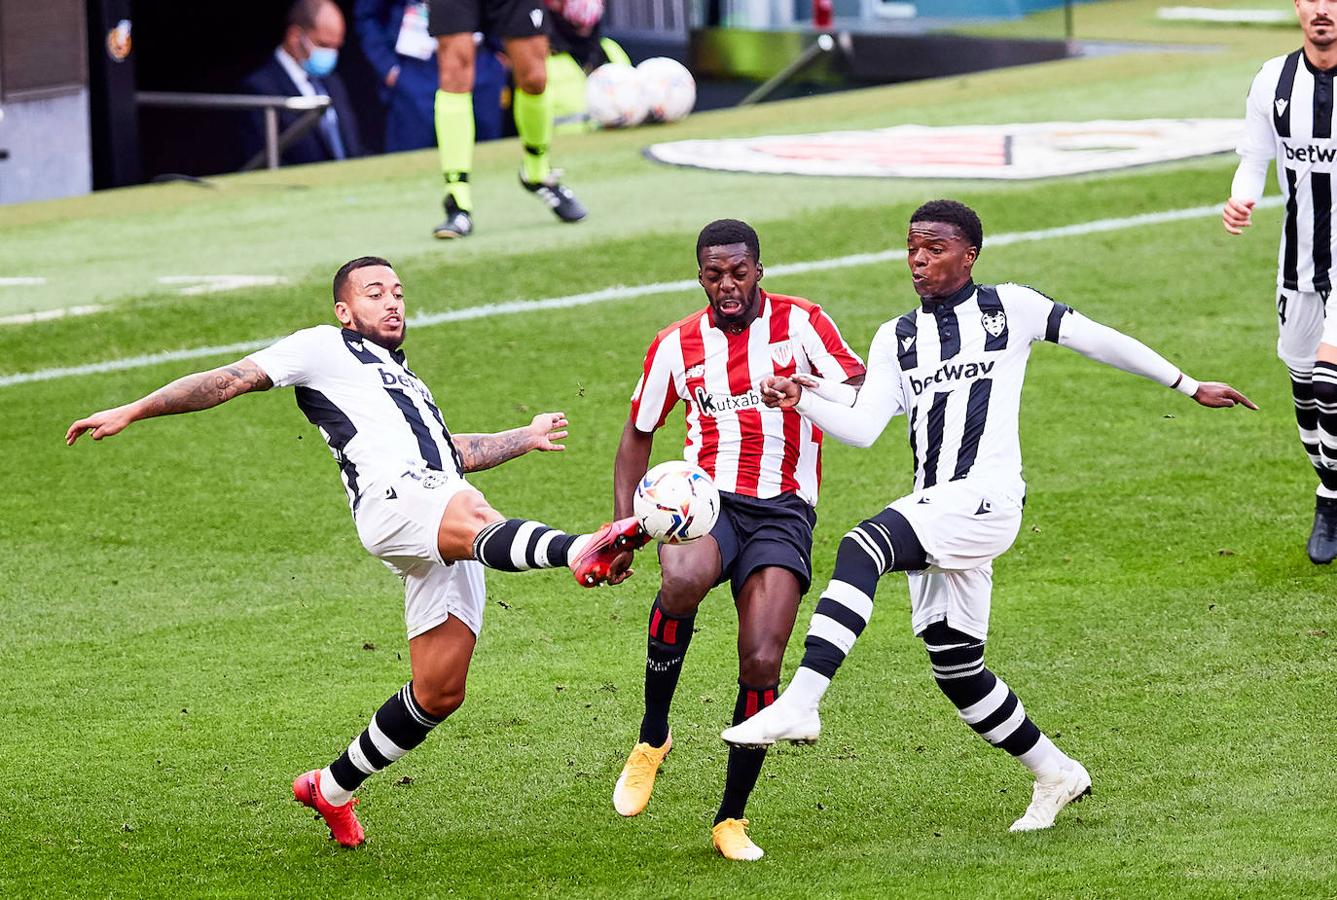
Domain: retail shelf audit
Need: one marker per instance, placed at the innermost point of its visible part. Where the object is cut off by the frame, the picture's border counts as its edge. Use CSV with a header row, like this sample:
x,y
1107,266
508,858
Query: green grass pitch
x,y
189,620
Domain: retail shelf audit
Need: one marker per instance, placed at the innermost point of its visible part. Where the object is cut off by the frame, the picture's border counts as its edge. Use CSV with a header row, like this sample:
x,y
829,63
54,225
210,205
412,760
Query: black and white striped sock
x,y
985,702
875,546
398,726
1323,389
518,545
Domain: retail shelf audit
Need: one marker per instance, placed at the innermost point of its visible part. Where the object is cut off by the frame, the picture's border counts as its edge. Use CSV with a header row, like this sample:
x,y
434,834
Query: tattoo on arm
x,y
203,390
483,451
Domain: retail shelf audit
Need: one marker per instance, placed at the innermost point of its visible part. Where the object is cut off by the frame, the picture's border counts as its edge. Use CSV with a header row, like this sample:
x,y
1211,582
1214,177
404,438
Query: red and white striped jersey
x,y
744,446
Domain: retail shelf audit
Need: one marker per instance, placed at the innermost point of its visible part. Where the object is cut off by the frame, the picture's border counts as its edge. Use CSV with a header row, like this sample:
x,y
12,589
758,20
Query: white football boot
x,y
1052,794
781,721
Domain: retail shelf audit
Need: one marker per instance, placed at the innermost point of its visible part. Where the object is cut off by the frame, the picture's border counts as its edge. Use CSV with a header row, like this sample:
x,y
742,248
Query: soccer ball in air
x,y
676,502
669,89
613,96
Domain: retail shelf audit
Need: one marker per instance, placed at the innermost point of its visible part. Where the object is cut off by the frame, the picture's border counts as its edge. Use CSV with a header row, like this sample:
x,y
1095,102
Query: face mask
x,y
321,60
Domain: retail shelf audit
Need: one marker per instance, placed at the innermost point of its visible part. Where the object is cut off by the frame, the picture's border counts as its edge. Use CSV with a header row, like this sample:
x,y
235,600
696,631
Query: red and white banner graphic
x,y
1031,150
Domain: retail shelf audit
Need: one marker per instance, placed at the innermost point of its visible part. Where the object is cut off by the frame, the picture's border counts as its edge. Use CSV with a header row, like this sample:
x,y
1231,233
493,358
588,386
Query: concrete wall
x,y
49,148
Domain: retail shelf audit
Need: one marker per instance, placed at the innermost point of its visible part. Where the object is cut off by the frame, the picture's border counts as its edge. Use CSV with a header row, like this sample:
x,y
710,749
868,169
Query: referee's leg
x,y
455,116
532,106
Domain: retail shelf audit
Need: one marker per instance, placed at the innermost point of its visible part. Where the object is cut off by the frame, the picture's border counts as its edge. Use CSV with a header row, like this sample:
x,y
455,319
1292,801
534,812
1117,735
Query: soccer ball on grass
x,y
669,89
613,96
676,502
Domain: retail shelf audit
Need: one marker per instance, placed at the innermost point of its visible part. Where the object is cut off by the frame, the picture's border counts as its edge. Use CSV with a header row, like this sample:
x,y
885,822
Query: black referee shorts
x,y
495,18
754,533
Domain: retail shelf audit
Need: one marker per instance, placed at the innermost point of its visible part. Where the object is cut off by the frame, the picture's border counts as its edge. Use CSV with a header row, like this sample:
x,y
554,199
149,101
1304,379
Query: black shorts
x,y
754,533
495,18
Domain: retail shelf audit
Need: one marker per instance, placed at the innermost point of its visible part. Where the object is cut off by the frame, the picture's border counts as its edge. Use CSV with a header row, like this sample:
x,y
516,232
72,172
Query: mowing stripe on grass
x,y
623,292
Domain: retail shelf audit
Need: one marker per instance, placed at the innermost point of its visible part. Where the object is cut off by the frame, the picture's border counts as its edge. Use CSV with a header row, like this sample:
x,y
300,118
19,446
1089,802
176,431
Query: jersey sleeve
x,y
880,398
1037,316
1258,144
656,391
1114,348
827,351
289,361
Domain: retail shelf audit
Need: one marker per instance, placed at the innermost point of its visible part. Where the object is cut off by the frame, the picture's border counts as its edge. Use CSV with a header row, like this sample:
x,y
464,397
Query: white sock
x,y
807,687
330,790
579,544
1326,494
1044,759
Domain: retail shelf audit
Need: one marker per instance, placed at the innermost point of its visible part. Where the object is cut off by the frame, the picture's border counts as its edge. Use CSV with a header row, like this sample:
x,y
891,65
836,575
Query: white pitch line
x,y
46,315
20,281
622,292
213,284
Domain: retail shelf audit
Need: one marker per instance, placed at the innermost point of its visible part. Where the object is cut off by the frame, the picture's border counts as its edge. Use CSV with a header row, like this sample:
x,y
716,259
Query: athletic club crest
x,y
994,322
782,353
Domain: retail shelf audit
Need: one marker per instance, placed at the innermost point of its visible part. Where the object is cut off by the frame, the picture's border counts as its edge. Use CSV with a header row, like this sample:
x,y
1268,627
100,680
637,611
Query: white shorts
x,y
964,527
1302,324
398,521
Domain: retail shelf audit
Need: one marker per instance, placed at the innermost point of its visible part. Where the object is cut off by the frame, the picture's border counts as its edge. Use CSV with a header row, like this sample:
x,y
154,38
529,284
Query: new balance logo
x,y
907,342
1281,106
985,507
390,494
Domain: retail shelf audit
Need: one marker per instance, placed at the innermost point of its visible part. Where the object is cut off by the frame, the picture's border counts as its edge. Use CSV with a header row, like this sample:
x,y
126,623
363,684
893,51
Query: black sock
x,y
401,725
744,762
669,637
518,545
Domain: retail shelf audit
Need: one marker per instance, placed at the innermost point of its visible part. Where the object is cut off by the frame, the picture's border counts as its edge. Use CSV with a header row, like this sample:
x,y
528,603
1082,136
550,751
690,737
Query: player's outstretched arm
x,y
483,451
192,393
1217,395
1114,348
858,416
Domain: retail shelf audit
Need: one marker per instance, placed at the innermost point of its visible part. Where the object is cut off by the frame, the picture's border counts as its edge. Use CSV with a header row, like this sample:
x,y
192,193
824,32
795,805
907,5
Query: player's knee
x,y
532,79
680,593
455,71
761,665
471,511
957,660
441,700
1325,391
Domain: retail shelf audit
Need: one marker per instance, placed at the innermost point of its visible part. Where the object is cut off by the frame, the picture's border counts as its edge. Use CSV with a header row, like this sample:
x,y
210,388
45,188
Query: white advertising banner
x,y
1031,150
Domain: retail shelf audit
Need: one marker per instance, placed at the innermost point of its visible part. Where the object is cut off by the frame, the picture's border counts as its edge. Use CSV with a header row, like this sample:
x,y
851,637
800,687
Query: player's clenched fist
x,y
780,392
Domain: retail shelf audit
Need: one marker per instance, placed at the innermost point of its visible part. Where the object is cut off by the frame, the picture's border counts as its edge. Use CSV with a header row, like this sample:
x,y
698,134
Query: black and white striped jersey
x,y
955,367
378,418
1289,118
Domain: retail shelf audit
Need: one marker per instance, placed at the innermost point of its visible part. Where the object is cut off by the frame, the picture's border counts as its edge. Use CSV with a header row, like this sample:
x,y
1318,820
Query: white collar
x,y
295,71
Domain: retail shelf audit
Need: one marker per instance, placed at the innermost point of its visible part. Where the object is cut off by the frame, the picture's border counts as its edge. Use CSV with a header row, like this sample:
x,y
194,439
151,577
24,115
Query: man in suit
x,y
393,36
303,65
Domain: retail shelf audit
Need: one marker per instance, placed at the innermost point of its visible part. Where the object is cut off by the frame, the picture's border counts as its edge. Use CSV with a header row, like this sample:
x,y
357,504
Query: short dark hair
x,y
362,262
303,13
728,231
951,212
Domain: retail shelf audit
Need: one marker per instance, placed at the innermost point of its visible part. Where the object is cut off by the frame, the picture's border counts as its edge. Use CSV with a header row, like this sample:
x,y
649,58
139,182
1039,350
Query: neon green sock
x,y
533,120
455,143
